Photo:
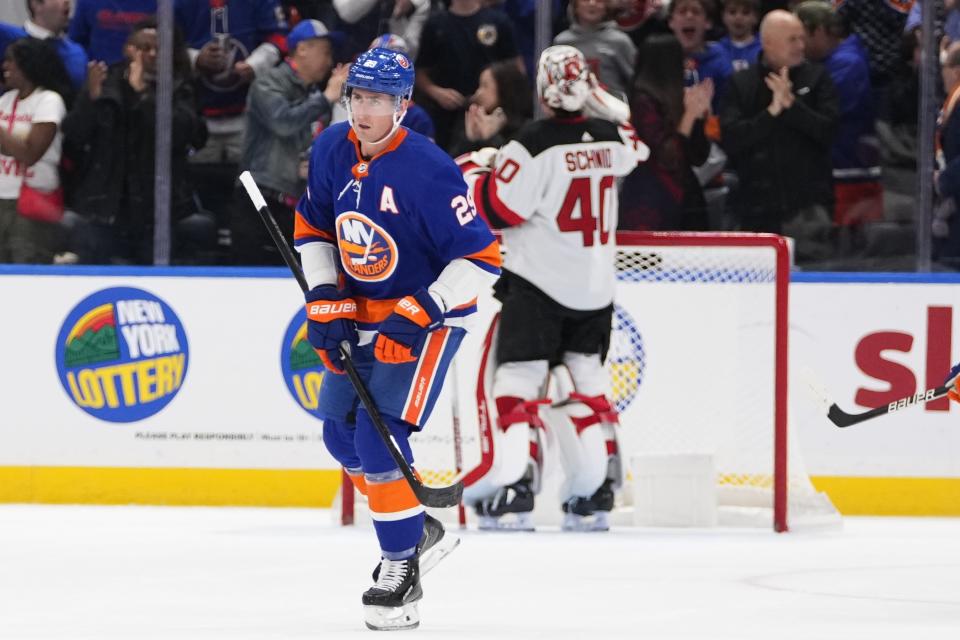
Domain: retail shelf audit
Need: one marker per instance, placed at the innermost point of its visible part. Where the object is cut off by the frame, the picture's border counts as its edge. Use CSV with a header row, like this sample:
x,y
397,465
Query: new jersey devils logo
x,y
368,253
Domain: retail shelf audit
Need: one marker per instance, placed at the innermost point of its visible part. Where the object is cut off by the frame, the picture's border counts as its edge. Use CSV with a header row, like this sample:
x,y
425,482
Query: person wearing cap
x,y
395,257
286,107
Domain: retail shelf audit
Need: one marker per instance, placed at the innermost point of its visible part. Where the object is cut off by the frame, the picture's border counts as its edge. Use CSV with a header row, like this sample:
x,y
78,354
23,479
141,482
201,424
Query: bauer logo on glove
x,y
331,316
405,331
325,311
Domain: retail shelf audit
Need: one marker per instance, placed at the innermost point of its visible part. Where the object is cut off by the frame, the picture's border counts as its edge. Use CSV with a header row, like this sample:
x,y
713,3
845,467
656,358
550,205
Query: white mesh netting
x,y
692,369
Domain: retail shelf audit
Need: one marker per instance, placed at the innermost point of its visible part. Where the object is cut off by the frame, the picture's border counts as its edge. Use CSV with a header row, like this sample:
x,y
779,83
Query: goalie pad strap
x,y
512,410
603,411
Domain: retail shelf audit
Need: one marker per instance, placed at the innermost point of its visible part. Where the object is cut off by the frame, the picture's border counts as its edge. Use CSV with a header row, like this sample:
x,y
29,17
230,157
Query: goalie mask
x,y
563,78
387,73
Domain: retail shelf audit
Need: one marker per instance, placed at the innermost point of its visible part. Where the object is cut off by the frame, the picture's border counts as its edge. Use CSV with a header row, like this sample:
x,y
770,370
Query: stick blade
x,y
840,417
440,497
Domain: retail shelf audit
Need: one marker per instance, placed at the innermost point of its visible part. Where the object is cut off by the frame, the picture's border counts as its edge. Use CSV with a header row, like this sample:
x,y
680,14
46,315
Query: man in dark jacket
x,y
778,123
110,134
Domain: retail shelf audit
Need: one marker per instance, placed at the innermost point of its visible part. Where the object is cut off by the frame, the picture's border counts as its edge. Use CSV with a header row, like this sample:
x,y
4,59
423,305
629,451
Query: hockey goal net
x,y
698,363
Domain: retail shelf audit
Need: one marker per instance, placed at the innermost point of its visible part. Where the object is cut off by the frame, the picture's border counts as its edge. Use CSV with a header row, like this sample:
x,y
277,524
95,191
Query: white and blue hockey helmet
x,y
383,71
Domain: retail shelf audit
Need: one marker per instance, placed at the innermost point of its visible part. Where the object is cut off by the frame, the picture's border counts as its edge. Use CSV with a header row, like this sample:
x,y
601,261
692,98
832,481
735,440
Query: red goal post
x,y
722,297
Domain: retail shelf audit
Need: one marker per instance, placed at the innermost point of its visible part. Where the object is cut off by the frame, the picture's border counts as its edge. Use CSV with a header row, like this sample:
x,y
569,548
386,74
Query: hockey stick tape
x,y
252,190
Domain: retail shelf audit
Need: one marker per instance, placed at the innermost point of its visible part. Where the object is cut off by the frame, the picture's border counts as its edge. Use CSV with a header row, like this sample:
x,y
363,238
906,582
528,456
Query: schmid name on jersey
x,y
588,159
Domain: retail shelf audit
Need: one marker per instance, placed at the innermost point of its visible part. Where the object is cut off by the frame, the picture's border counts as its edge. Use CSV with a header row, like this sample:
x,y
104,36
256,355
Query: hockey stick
x,y
440,497
842,419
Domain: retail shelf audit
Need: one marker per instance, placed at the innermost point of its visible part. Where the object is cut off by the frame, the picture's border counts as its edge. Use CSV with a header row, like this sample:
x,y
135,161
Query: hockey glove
x,y
953,381
331,316
405,331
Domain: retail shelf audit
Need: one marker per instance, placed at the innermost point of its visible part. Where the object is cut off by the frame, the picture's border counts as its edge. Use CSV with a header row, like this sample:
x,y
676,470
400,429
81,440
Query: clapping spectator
x,y
456,45
778,125
31,110
113,127
608,50
690,20
663,193
285,108
48,21
498,108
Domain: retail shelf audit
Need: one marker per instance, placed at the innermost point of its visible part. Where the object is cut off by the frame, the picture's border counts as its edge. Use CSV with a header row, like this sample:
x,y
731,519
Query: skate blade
x,y
489,523
391,618
432,556
585,524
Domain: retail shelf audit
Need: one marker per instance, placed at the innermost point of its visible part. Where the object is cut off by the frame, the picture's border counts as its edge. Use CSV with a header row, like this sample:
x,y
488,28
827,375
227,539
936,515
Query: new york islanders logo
x,y
367,252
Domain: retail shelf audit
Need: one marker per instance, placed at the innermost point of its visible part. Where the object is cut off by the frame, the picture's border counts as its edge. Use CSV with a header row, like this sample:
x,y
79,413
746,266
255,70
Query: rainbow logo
x,y
121,354
302,370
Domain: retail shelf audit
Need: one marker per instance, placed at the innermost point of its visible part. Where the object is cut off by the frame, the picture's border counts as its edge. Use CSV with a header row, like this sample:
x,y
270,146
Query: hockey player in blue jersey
x,y
395,257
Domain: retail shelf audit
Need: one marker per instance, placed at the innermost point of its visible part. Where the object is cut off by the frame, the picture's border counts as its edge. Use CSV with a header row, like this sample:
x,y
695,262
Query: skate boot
x,y
391,603
433,547
589,514
515,502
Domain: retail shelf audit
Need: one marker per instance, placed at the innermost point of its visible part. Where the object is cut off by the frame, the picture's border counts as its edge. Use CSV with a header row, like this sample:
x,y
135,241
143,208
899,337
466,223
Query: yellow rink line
x,y
317,488
166,486
892,496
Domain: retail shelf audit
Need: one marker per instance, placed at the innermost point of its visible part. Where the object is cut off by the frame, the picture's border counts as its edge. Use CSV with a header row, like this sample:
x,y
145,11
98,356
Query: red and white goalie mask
x,y
563,78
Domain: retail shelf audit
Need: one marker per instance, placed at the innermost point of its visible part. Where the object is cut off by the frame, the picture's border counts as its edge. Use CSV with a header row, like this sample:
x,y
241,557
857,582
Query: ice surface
x,y
103,573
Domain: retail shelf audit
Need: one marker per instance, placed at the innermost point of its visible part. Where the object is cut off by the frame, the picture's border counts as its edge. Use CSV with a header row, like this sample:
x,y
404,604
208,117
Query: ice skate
x,y
433,547
391,603
510,509
599,521
589,514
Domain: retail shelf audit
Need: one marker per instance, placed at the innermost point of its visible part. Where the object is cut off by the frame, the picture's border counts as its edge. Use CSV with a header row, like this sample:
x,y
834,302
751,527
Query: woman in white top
x,y
30,144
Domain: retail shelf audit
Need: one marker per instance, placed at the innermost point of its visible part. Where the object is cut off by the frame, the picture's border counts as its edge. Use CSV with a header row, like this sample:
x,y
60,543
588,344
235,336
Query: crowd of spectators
x,y
761,115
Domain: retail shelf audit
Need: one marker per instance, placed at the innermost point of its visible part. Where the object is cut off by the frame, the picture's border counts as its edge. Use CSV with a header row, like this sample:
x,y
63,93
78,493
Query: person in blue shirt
x,y
395,256
858,194
48,21
741,43
103,26
690,20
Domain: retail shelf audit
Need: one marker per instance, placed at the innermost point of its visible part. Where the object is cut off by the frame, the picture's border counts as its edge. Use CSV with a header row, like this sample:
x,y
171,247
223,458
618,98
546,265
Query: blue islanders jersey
x,y
396,220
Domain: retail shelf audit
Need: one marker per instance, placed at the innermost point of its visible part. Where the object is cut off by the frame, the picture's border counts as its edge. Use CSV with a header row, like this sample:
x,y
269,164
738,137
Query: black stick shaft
x,y
429,496
843,419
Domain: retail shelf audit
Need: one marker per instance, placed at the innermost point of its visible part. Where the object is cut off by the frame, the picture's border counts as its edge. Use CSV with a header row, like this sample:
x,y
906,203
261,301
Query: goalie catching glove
x,y
953,382
331,316
405,331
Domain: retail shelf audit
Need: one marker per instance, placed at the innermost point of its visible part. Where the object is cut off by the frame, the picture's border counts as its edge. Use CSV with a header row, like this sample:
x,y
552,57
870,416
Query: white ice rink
x,y
103,573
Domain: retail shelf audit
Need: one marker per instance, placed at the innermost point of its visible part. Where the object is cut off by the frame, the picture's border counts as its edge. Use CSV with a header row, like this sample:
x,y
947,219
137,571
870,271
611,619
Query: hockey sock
x,y
358,479
397,514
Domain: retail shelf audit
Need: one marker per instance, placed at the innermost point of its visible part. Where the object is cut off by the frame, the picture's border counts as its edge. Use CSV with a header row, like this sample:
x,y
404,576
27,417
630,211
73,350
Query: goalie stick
x,y
842,419
439,497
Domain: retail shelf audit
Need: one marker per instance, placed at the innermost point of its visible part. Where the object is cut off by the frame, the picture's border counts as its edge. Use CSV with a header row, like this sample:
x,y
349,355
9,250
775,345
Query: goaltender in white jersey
x,y
553,192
